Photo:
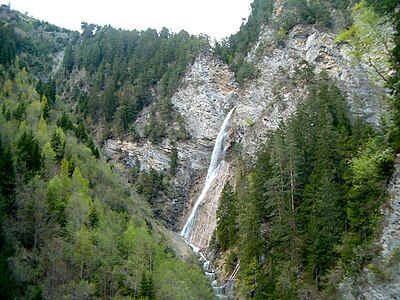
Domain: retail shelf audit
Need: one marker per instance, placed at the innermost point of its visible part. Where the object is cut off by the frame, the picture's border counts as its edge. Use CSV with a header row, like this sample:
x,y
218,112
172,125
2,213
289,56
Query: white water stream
x,y
216,160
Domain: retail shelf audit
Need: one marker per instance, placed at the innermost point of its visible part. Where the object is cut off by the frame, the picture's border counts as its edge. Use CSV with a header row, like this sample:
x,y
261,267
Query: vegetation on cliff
x,y
299,218
308,209
70,227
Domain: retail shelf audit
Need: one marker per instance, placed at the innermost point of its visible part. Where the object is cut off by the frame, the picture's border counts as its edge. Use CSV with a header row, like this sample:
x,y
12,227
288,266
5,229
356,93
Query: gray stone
x,y
209,91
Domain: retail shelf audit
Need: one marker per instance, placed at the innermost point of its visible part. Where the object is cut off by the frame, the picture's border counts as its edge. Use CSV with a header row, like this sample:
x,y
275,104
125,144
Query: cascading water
x,y
216,165
216,161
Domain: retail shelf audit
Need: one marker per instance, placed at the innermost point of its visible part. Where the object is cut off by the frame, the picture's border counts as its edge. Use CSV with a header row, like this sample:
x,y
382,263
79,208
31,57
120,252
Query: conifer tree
x,y
7,179
174,161
58,145
147,287
227,218
29,158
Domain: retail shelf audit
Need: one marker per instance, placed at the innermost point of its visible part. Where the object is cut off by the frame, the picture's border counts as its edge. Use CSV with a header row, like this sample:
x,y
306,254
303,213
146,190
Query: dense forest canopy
x,y
304,215
125,71
69,228
301,215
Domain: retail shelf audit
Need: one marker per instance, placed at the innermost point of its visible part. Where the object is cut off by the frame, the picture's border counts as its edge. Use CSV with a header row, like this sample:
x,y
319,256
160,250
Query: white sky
x,y
216,18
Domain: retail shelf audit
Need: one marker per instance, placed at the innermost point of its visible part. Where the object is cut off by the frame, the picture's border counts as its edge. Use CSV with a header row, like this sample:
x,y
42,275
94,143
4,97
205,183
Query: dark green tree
x,y
8,45
227,213
8,284
150,185
29,159
147,287
7,180
68,59
65,122
173,161
92,146
80,131
58,146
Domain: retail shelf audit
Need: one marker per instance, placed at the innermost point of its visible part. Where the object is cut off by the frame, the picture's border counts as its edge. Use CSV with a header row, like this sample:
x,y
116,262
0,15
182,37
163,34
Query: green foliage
x,y
150,185
369,171
246,71
234,49
7,179
177,280
68,60
394,80
48,90
56,200
164,122
155,130
296,12
29,158
58,144
7,281
153,58
69,229
174,161
135,169
146,288
370,38
65,122
7,88
226,218
311,200
9,42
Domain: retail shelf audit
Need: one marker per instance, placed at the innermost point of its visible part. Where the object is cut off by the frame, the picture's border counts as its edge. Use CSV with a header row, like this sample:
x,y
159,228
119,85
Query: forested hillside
x,y
297,218
114,74
303,216
71,227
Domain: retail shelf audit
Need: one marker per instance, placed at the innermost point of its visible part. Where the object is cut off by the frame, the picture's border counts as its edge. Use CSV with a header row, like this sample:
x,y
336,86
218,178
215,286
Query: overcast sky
x,y
216,18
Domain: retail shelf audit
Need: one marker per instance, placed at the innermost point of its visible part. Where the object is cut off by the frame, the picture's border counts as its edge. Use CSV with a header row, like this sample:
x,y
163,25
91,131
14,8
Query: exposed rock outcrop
x,y
204,100
209,90
274,95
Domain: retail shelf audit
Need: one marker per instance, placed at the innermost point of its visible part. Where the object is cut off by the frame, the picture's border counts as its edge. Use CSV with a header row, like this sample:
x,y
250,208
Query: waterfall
x,y
216,161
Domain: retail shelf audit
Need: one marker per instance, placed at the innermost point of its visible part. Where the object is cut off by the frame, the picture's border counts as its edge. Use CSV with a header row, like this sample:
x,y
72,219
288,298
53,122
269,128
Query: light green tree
x,y
371,40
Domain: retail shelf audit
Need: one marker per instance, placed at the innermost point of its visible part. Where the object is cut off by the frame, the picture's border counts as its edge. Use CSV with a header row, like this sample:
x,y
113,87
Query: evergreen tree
x,y
65,122
92,146
147,287
29,158
8,285
227,218
135,170
58,145
68,59
7,179
8,47
173,161
80,131
46,108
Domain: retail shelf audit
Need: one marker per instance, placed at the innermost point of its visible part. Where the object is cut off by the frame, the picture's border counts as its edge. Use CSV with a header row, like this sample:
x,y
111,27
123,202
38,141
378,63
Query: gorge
x,y
272,154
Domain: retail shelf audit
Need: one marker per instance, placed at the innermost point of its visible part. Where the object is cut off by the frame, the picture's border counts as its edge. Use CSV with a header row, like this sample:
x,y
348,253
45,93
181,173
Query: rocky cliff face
x,y
381,278
209,91
206,96
282,82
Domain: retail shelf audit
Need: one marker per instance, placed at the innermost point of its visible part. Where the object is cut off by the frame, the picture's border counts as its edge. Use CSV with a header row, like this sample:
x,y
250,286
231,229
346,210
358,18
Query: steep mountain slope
x,y
39,45
306,158
209,90
70,226
380,278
